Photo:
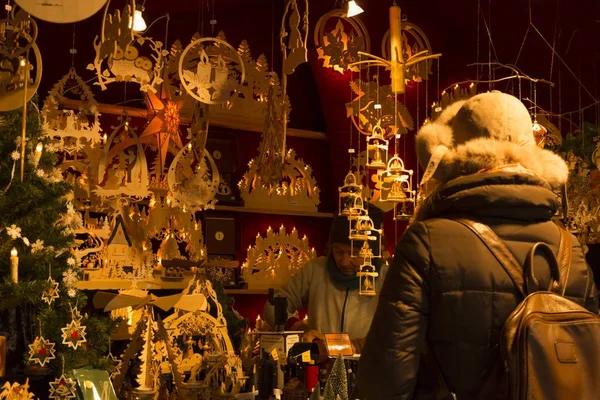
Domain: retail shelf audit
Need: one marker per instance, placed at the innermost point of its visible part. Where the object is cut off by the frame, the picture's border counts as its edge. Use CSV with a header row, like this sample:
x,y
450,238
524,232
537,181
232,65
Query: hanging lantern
x,y
367,275
350,197
396,182
377,147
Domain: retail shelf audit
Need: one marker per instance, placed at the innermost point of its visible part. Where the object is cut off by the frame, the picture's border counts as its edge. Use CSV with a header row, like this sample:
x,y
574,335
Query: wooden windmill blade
x,y
125,300
192,303
102,299
165,303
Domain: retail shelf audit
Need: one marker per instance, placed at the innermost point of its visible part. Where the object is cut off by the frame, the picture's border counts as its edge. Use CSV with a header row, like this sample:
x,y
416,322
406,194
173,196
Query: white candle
x,y
14,266
38,154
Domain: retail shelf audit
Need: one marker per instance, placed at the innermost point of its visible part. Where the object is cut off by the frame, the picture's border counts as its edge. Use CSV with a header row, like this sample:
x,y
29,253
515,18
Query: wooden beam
x,y
219,120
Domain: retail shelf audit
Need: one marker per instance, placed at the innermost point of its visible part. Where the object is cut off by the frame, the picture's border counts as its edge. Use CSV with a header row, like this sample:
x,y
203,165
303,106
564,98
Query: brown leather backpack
x,y
550,346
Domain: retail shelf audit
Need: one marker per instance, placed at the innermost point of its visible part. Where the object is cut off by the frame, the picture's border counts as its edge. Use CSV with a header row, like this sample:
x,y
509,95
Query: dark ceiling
x,y
451,26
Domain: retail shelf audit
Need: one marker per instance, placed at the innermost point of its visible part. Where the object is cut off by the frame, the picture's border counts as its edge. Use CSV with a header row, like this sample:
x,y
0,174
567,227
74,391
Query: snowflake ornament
x,y
72,292
41,351
13,231
62,389
74,333
37,246
40,173
71,262
51,292
15,155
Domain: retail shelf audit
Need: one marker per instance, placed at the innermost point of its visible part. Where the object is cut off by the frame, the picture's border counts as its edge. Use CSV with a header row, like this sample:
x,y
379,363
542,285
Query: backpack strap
x,y
565,251
499,250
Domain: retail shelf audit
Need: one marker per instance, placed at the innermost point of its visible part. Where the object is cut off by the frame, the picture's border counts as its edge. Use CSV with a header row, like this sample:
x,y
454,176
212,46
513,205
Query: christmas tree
x,y
337,383
316,394
37,222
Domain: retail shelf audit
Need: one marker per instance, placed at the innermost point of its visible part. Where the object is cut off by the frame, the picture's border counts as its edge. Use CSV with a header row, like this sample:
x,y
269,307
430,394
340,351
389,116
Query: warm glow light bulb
x,y
13,252
39,147
354,9
139,25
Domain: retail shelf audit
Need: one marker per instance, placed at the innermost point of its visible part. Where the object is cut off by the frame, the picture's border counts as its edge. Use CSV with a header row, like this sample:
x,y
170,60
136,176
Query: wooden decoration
x,y
361,110
363,231
21,61
210,69
372,191
412,41
194,183
377,148
275,258
296,191
63,11
51,292
339,47
367,274
123,170
41,351
293,37
62,388
396,182
71,130
350,195
16,391
140,61
73,334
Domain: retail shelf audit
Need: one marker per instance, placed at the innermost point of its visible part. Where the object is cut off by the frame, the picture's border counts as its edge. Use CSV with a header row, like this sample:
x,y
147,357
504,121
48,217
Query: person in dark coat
x,y
444,287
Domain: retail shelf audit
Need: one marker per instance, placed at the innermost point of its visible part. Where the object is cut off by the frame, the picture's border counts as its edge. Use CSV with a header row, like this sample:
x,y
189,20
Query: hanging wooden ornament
x,y
349,194
194,183
397,182
41,351
210,69
414,42
338,39
293,37
367,275
71,130
377,148
20,59
73,334
115,367
62,11
122,169
51,292
361,110
275,258
62,388
16,391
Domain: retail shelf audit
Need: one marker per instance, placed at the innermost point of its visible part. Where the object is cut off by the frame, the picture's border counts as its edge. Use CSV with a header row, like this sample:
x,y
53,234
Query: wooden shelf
x,y
273,211
246,291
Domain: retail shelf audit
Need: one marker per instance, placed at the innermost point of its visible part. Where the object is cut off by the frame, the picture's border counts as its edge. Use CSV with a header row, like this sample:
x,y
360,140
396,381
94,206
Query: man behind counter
x,y
329,285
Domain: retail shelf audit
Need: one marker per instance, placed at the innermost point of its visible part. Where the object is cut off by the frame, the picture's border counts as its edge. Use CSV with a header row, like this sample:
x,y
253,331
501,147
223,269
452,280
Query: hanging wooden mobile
x,y
73,334
51,292
377,148
363,231
41,351
293,37
397,182
20,58
71,130
122,169
210,69
367,275
194,183
62,388
345,37
349,194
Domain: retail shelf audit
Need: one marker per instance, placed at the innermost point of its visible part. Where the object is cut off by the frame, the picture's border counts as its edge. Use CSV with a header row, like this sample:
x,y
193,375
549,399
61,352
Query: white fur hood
x,y
484,153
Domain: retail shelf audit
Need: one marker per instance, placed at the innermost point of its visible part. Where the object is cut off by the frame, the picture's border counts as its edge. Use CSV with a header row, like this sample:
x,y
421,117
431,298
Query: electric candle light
x,y
38,154
14,266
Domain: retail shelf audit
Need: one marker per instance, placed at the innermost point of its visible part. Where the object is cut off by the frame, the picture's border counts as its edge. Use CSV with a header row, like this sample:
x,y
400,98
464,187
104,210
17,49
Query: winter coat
x,y
444,287
331,308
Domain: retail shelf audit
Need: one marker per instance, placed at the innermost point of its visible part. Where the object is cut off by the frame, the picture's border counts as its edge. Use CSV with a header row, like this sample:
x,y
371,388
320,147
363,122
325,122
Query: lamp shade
x,y
354,9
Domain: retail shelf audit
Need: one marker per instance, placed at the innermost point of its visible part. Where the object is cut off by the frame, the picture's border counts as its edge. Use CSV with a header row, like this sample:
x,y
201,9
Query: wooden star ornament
x,y
62,389
41,351
51,291
74,334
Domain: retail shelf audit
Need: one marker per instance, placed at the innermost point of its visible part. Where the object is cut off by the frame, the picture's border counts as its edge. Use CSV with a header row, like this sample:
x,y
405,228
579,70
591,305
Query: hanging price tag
x,y
306,356
274,354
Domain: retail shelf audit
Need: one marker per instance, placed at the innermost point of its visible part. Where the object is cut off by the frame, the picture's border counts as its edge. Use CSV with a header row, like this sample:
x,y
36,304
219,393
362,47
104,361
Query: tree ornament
x,y
74,333
41,351
51,291
62,388
338,381
115,365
